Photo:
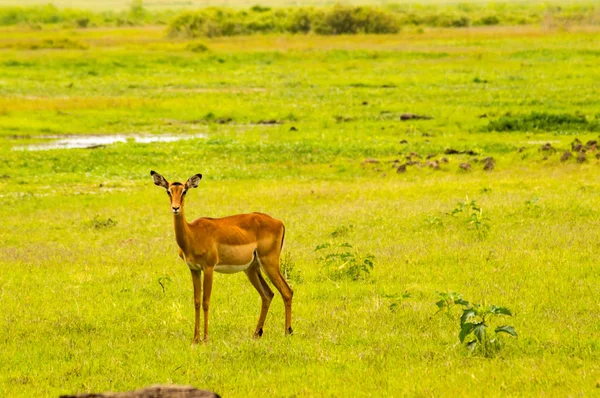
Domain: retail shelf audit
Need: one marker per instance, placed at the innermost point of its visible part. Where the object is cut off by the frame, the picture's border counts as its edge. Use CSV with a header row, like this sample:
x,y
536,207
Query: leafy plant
x,y
342,261
475,324
475,219
396,299
532,204
433,221
98,223
288,268
342,230
449,300
163,281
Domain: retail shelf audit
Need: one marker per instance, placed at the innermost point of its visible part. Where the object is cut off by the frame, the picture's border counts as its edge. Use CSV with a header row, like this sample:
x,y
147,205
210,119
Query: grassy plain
x,y
93,296
103,5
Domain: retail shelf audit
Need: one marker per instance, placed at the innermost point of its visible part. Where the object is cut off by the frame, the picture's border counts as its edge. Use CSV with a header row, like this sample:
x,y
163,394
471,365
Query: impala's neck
x,y
182,230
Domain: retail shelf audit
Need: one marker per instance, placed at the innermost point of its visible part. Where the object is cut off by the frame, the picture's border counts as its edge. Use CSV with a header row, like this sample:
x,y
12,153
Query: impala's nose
x,y
176,209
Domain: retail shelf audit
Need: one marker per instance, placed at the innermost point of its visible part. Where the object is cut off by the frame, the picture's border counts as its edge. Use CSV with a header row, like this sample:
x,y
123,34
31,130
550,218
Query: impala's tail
x,y
282,239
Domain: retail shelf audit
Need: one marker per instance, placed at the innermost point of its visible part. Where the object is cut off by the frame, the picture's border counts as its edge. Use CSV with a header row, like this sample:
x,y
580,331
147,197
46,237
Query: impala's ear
x,y
159,180
193,181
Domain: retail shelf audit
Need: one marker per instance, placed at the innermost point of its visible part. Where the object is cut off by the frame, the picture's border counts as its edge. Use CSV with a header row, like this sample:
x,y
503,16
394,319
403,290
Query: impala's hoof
x,y
258,334
289,331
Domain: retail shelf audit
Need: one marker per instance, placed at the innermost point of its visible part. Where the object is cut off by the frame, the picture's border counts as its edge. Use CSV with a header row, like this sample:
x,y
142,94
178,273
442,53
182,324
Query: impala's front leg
x,y
197,290
208,280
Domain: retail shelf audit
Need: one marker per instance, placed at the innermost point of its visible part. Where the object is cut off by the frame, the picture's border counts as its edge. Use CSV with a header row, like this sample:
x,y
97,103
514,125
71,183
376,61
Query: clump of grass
x,y
342,230
99,223
289,270
543,121
197,47
57,44
473,216
343,262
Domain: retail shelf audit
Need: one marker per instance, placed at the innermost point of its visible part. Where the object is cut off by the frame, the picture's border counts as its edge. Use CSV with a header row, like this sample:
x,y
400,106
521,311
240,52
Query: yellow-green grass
x,y
110,5
93,296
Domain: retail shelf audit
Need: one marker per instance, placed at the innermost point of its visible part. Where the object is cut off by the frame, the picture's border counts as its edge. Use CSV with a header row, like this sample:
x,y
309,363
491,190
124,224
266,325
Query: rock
x,y
581,157
410,116
156,391
566,156
591,145
574,144
547,147
465,166
401,169
489,164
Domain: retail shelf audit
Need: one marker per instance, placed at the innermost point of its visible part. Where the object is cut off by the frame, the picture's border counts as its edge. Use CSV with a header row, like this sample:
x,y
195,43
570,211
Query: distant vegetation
x,y
339,19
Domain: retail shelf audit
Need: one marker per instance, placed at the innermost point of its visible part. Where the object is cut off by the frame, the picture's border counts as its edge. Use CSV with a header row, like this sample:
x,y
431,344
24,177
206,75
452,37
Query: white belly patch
x,y
231,269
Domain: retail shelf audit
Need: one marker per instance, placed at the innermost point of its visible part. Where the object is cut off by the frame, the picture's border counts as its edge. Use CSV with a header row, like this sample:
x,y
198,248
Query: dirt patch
x,y
412,116
451,151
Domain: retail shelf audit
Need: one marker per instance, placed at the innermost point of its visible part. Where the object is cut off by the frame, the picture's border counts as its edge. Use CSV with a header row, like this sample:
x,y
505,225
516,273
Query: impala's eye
x,y
169,193
184,192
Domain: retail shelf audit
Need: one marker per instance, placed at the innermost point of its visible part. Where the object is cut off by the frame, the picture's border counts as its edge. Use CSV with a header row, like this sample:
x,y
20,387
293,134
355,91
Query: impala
x,y
244,242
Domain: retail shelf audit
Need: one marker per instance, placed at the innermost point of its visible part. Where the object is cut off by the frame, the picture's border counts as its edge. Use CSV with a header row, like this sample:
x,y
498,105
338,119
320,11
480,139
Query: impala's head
x,y
176,190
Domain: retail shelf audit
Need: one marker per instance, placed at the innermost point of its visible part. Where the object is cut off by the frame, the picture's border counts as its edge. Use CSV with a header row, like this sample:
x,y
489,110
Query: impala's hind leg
x,y
270,264
266,295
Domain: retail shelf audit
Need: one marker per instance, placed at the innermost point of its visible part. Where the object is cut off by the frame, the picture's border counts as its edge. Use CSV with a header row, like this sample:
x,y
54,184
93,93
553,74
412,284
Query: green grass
x,y
81,306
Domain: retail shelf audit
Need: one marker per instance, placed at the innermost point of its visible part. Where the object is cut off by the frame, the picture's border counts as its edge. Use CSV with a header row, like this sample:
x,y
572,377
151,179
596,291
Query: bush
x,y
543,121
58,44
351,20
196,47
343,262
337,20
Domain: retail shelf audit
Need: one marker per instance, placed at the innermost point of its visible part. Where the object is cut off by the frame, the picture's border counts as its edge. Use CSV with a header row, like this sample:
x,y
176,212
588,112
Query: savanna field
x,y
449,154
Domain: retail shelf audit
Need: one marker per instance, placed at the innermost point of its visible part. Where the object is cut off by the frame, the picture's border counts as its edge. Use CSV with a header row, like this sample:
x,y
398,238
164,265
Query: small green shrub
x,y
473,216
448,301
342,262
288,269
342,230
197,47
488,20
98,223
163,281
351,20
395,300
475,323
57,44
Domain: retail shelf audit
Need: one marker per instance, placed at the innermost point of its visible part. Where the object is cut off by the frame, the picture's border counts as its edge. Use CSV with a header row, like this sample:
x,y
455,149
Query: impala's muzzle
x,y
176,209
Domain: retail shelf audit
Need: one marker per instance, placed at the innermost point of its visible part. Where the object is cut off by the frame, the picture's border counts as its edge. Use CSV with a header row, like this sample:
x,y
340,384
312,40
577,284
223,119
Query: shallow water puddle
x,y
98,141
